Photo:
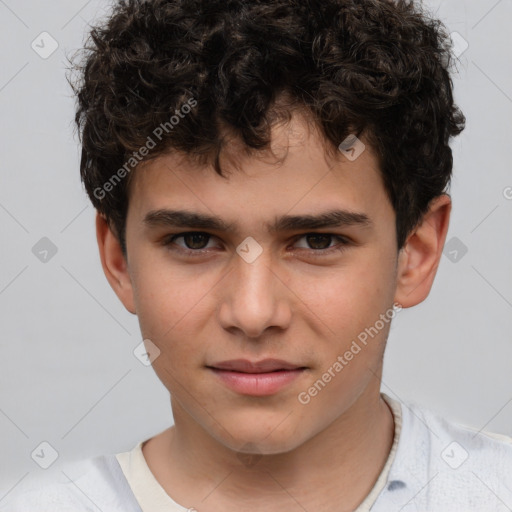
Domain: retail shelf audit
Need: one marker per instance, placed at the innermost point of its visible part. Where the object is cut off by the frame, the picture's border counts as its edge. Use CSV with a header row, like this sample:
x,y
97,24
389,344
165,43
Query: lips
x,y
264,366
260,378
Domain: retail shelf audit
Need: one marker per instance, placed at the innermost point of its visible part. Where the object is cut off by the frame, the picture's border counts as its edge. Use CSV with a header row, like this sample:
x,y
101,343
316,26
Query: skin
x,y
287,304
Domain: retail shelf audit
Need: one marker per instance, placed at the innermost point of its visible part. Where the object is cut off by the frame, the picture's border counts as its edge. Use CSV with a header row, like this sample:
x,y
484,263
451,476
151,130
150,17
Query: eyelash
x,y
341,246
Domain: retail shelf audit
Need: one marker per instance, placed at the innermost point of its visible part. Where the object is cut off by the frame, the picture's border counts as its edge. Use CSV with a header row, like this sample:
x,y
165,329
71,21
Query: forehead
x,y
297,175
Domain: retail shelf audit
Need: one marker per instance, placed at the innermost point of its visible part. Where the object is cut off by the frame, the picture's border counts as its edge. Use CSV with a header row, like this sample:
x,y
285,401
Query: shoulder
x,y
81,486
455,443
445,465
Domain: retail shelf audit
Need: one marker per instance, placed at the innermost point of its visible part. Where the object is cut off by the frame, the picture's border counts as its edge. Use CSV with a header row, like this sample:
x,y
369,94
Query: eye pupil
x,y
191,239
316,239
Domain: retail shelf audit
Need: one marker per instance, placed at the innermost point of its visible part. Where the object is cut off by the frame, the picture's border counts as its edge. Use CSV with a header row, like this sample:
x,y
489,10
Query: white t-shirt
x,y
433,465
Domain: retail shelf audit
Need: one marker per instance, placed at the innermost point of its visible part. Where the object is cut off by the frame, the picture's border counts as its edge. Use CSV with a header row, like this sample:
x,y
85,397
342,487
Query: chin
x,y
264,436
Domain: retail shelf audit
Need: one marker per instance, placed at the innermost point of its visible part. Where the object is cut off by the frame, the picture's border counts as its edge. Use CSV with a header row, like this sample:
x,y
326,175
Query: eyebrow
x,y
188,219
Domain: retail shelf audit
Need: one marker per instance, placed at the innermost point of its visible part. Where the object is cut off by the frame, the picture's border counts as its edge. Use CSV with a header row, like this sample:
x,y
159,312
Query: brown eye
x,y
196,240
319,240
321,244
191,241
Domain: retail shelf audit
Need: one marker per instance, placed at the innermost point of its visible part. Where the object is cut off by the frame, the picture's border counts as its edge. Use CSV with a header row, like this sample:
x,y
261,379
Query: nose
x,y
254,298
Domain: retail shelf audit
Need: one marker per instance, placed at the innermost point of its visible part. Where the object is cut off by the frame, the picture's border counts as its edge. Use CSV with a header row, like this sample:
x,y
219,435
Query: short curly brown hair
x,y
380,67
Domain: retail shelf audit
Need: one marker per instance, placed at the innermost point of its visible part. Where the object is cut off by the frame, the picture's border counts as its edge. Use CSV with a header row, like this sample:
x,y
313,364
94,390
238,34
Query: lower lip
x,y
257,384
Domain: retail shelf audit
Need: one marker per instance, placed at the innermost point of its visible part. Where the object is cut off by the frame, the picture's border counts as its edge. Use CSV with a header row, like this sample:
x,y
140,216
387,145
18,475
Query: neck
x,y
339,465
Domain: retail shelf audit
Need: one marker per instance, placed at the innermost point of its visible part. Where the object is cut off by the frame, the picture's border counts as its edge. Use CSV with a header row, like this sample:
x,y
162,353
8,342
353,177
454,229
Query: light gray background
x,y
67,372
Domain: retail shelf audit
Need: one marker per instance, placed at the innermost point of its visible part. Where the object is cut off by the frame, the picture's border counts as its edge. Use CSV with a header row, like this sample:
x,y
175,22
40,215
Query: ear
x,y
419,258
114,263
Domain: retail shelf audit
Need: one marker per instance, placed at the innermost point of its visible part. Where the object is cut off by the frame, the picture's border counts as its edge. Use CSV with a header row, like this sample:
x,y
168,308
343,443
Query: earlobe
x,y
114,263
419,258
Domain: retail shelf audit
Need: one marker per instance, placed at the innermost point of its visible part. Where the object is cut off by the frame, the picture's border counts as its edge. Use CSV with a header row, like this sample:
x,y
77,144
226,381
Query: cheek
x,y
168,296
172,312
348,299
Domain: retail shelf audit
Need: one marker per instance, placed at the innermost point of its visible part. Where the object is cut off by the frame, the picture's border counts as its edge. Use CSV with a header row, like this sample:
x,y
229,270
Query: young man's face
x,y
301,301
